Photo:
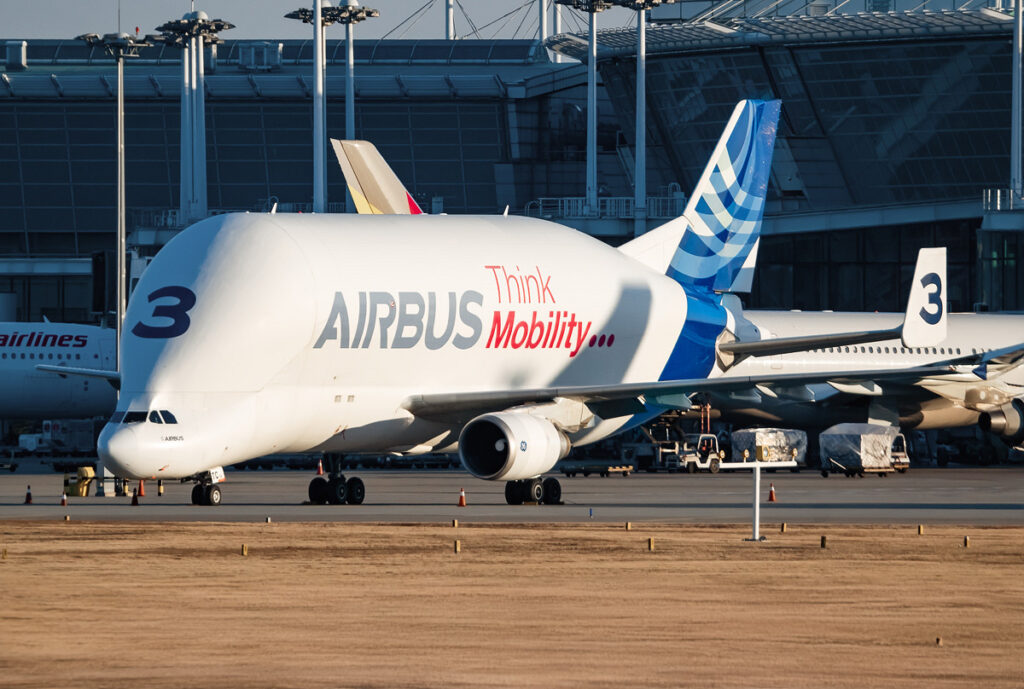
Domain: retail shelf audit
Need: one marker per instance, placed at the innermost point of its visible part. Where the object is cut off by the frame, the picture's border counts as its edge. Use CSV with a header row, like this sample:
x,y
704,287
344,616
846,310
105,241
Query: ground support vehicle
x,y
856,449
770,445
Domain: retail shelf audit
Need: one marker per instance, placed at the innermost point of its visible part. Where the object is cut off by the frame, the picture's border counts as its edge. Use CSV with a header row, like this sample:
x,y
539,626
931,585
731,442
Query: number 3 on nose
x,y
177,312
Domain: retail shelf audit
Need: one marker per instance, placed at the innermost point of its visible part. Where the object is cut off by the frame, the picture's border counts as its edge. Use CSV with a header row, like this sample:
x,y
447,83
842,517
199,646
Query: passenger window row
x,y
892,350
32,355
162,416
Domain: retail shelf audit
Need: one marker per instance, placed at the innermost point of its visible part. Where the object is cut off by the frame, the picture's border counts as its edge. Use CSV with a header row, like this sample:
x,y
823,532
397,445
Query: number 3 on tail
x,y
934,297
178,313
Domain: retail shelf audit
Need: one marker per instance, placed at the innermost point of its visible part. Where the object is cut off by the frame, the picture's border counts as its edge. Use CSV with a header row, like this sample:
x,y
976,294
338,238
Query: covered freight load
x,y
769,445
856,448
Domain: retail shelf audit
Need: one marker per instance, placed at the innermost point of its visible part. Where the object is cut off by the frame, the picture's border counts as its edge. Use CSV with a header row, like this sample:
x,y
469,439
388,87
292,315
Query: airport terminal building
x,y
895,134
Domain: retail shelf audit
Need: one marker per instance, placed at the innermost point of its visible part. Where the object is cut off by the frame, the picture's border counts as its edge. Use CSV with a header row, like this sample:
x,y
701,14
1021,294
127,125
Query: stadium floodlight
x,y
321,15
191,33
119,46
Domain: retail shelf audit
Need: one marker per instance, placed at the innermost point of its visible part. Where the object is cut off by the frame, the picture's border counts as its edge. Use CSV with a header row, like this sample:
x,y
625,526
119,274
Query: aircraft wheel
x,y
824,474
318,491
197,494
337,490
356,491
714,466
212,495
552,491
514,492
534,489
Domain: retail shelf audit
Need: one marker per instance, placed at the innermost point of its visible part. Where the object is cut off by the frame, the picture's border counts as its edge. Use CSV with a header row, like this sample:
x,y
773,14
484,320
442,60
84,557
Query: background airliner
x,y
509,339
26,392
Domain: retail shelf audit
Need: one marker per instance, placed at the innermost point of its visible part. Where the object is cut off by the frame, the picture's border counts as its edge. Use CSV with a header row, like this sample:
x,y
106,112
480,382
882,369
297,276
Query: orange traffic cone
x,y
319,467
142,488
771,492
462,497
135,497
63,499
28,495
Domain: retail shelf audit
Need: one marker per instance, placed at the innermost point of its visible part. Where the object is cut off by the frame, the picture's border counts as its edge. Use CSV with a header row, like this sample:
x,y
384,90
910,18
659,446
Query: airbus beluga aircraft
x,y
508,339
985,385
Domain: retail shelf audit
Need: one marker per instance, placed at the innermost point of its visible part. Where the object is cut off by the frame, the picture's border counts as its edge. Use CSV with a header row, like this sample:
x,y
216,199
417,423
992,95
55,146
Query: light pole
x,y
191,33
591,7
1016,173
350,15
322,15
640,166
120,46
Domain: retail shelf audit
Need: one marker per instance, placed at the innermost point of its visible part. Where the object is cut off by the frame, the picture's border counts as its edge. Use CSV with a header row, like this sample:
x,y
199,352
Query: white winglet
x,y
925,322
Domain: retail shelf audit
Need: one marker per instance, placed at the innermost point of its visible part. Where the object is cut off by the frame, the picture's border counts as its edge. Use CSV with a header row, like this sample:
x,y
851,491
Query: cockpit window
x,y
134,417
168,416
154,417
118,417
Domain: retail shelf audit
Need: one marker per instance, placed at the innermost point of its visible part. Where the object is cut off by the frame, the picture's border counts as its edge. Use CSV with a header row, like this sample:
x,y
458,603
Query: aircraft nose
x,y
118,447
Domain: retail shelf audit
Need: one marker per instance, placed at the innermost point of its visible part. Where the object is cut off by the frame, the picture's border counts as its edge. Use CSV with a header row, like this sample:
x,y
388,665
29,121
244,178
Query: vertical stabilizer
x,y
712,246
374,186
924,324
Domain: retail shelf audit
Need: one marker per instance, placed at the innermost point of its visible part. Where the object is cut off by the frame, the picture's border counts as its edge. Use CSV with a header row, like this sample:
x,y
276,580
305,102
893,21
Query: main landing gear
x,y
206,491
335,488
546,492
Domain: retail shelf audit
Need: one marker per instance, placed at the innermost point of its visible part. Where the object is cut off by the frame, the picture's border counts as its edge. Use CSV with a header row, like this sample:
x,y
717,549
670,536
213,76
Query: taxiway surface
x,y
992,495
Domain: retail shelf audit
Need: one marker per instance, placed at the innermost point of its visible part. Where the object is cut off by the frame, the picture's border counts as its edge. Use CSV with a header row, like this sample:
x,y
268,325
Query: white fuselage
x,y
308,332
27,393
956,397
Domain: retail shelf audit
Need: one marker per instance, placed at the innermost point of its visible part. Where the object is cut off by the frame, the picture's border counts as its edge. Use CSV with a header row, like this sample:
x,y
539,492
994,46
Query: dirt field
x,y
340,605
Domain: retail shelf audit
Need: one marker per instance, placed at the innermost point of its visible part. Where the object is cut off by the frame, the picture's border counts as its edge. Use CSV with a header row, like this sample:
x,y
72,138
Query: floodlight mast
x,y
191,33
350,15
1016,172
323,15
591,7
640,166
119,46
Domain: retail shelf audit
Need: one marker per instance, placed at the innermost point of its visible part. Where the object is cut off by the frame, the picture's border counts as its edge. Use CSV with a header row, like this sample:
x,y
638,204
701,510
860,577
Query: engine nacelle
x,y
1007,421
506,446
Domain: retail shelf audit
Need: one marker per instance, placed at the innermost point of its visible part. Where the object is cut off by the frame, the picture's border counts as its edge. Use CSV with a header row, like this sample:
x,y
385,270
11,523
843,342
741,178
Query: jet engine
x,y
507,446
1007,420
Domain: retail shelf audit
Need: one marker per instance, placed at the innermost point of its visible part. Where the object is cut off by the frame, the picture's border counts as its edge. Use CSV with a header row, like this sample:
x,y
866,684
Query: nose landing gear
x,y
335,488
206,491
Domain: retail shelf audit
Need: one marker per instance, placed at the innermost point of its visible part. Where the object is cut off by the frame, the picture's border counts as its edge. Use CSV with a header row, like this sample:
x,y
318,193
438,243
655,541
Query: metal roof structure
x,y
838,28
71,52
244,70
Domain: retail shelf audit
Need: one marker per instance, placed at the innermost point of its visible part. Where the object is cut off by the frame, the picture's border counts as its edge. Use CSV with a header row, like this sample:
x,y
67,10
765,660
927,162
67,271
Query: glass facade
x,y
861,270
864,124
58,165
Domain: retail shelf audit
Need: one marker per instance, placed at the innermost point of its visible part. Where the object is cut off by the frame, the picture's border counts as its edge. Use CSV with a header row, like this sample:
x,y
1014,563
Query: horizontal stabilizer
x,y
788,345
113,377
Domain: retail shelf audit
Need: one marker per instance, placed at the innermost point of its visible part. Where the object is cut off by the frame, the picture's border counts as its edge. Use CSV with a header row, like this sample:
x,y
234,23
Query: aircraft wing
x,y
624,399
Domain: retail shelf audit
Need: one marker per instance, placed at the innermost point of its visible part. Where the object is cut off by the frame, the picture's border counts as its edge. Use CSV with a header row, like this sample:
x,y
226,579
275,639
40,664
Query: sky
x,y
265,18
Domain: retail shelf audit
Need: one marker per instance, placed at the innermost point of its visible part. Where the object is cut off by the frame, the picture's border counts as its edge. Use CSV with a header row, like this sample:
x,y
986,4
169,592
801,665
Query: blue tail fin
x,y
713,245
